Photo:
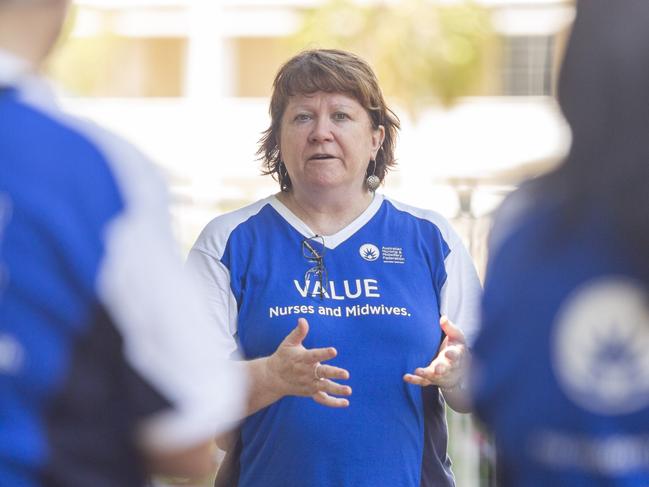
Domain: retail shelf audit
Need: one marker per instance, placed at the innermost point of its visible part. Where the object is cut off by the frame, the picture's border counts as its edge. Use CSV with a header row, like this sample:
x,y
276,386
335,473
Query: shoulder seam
x,y
431,216
226,224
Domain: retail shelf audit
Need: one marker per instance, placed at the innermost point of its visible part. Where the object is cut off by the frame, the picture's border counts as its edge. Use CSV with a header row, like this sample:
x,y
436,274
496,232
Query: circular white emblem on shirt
x,y
600,347
369,252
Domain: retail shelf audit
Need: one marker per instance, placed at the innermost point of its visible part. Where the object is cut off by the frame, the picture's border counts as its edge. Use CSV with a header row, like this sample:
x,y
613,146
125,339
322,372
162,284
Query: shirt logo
x,y
599,346
369,252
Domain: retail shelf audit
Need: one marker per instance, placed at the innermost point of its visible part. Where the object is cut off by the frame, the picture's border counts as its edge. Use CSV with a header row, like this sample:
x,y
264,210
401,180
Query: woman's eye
x,y
340,116
302,117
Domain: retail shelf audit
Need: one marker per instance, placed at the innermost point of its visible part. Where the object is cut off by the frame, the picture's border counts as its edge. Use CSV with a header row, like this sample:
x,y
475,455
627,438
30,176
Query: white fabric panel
x,y
204,262
462,292
214,279
156,306
165,323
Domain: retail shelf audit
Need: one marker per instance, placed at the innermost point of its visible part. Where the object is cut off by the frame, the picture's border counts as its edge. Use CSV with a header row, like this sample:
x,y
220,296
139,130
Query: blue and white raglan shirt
x,y
390,274
104,345
562,376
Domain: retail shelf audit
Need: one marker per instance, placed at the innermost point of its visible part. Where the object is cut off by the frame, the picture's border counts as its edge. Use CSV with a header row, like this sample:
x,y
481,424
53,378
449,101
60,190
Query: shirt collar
x,y
19,73
13,69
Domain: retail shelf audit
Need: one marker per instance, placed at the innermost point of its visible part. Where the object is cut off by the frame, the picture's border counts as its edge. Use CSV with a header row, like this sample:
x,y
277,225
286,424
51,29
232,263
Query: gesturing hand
x,y
448,368
296,371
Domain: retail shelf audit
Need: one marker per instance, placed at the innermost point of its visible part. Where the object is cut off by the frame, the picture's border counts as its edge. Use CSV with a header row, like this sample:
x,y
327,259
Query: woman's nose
x,y
321,130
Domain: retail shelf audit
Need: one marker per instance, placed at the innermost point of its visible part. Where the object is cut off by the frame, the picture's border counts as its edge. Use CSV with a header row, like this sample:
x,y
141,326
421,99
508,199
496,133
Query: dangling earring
x,y
282,176
372,181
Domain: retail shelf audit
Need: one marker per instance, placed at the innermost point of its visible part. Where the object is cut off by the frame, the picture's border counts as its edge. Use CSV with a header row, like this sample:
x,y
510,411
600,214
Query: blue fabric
x,y
58,195
533,275
384,323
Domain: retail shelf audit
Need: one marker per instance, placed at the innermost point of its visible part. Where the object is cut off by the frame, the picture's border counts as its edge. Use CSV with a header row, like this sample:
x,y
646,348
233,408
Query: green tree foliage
x,y
423,51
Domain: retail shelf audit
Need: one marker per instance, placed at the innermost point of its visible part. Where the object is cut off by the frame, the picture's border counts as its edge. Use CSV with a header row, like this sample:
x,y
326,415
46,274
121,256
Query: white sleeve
x,y
214,280
461,293
157,308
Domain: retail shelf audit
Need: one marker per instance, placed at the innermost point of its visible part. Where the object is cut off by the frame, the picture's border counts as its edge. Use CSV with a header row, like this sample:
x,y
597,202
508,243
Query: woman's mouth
x,y
321,157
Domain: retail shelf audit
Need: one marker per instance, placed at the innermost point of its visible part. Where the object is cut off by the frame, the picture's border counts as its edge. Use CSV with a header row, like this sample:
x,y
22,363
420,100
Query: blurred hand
x,y
449,367
296,371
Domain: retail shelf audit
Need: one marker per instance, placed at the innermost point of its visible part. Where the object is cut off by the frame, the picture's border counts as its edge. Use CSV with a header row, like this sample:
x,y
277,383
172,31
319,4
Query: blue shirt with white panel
x,y
94,302
388,277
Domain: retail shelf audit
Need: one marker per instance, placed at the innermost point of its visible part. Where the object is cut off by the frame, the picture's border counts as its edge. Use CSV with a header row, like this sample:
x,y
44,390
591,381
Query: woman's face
x,y
326,142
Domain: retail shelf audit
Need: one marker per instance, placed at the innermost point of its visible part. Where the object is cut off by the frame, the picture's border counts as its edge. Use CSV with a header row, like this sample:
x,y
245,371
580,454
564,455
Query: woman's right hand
x,y
294,370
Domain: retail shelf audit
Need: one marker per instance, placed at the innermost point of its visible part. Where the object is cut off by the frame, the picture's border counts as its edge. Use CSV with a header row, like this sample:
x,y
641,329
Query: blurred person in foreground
x,y
562,376
108,368
361,274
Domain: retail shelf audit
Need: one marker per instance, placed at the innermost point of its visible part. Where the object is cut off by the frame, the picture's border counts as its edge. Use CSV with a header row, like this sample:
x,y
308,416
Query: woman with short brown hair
x,y
362,274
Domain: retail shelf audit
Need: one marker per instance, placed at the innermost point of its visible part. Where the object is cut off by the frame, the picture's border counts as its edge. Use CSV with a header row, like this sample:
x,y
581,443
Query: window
x,y
527,65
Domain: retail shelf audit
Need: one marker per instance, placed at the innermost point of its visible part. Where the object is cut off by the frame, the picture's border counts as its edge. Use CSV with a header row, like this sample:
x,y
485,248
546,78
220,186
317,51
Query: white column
x,y
208,72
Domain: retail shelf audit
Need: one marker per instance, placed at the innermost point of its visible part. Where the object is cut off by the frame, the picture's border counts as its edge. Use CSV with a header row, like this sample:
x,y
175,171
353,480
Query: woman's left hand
x,y
449,367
